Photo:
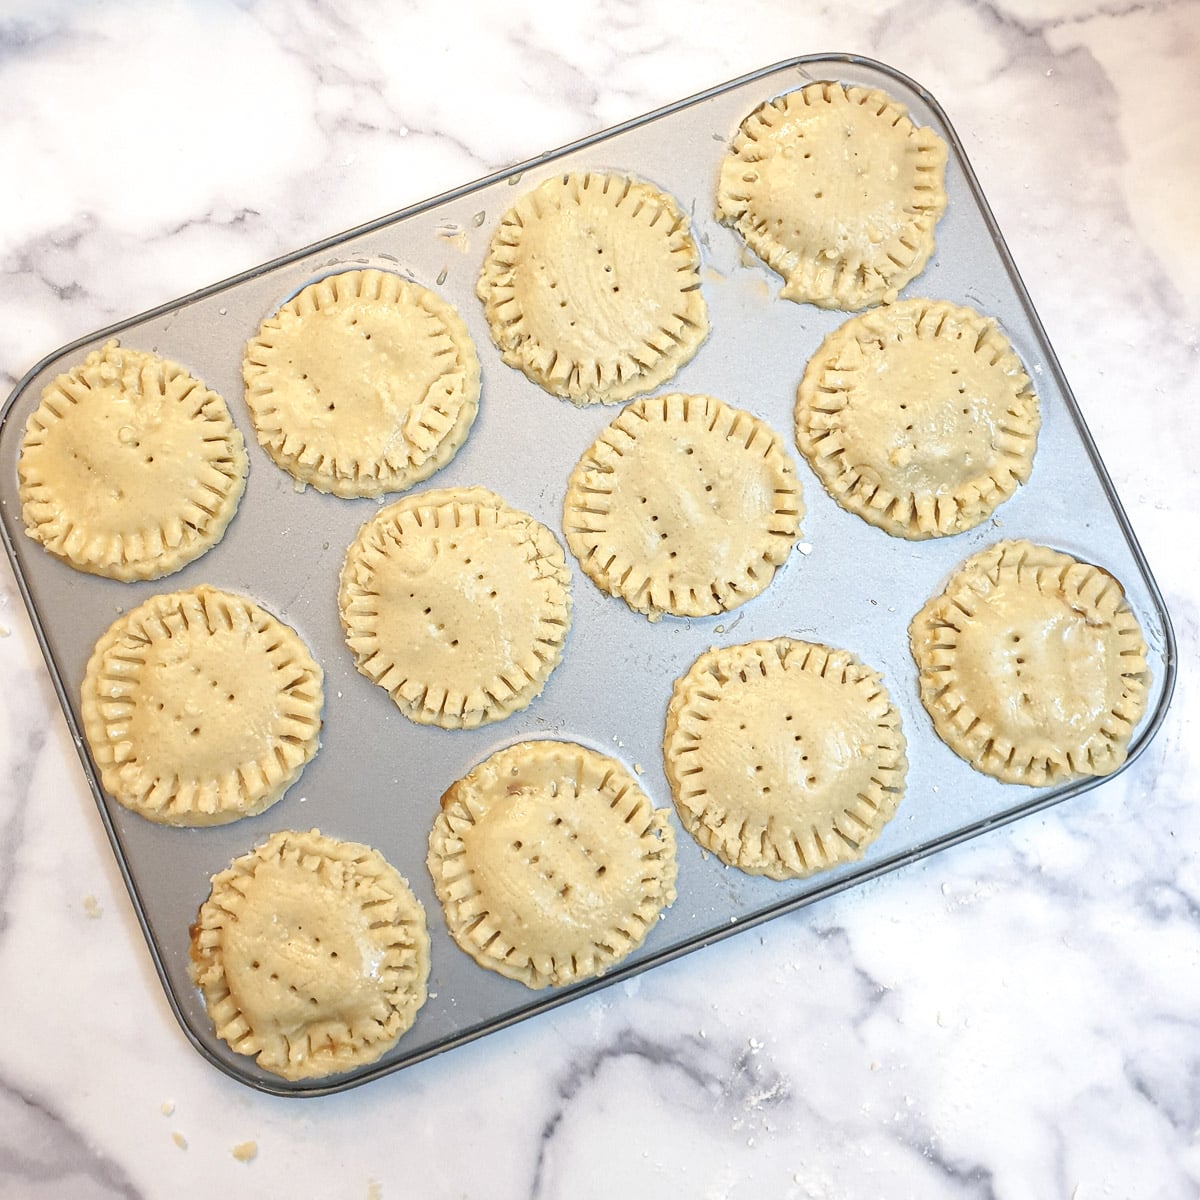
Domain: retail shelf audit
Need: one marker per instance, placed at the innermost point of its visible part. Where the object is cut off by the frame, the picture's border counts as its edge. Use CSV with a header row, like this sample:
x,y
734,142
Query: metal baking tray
x,y
378,777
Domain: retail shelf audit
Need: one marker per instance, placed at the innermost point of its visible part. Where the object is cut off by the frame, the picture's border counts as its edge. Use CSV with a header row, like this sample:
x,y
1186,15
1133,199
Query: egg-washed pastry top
x,y
591,287
200,707
551,863
1032,665
837,190
363,383
311,954
784,757
457,605
683,505
918,417
129,467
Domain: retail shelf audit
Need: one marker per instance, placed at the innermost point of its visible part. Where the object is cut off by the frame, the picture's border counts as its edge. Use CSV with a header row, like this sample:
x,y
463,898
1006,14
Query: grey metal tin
x,y
378,778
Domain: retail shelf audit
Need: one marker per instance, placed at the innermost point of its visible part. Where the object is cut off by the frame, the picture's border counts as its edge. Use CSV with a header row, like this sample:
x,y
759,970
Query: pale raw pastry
x,y
129,468
550,863
457,605
1032,665
311,954
683,505
918,417
200,708
591,287
835,189
362,384
784,757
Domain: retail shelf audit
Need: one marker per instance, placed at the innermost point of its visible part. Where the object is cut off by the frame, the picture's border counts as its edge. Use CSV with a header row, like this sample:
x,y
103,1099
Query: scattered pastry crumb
x,y
91,906
168,1107
456,236
638,768
4,631
245,1151
374,1190
179,1140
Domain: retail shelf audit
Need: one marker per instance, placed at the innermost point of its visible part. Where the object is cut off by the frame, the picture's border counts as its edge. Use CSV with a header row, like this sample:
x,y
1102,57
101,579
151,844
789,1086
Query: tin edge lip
x,y
248,1074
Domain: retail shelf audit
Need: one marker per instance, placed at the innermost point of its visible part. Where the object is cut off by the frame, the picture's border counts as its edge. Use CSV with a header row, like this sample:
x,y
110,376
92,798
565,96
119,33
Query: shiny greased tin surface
x,y
378,777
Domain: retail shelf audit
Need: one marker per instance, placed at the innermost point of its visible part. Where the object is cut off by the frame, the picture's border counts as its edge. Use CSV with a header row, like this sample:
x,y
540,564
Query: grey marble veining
x,y
1016,1017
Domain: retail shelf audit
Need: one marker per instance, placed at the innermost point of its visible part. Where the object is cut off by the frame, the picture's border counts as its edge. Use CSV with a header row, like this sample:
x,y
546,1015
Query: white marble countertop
x,y
1014,1017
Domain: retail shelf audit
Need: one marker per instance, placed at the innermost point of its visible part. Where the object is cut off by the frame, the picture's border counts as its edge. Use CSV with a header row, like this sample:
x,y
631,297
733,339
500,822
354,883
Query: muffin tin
x,y
378,777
